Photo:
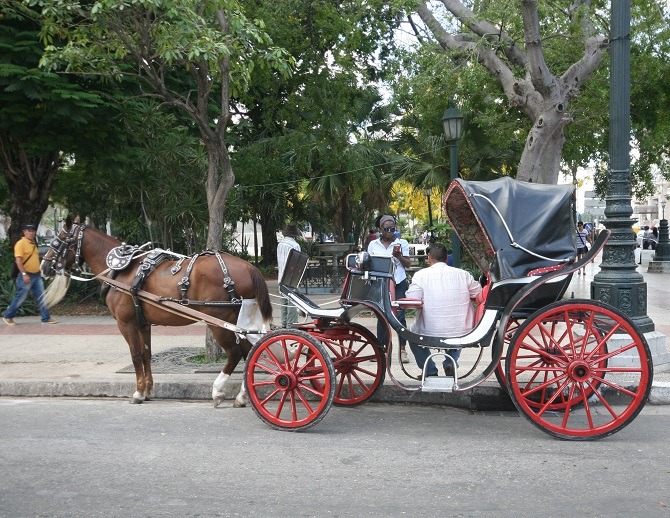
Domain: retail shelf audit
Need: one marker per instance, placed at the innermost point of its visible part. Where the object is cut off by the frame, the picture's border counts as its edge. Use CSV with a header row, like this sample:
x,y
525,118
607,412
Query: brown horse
x,y
77,243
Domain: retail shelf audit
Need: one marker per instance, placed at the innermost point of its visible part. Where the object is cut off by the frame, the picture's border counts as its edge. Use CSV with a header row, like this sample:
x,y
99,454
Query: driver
x,y
448,309
391,246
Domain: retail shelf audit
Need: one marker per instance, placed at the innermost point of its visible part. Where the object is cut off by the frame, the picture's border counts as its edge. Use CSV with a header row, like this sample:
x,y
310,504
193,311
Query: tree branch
x,y
494,35
539,72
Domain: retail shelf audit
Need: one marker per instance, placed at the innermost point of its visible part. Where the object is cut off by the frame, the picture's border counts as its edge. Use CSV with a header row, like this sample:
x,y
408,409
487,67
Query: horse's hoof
x,y
137,398
217,401
237,404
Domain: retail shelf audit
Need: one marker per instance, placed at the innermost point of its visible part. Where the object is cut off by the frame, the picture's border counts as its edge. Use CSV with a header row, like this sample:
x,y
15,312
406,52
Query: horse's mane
x,y
56,290
261,292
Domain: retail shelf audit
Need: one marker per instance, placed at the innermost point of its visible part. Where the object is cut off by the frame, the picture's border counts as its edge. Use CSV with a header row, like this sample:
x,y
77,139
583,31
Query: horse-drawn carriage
x,y
557,357
553,355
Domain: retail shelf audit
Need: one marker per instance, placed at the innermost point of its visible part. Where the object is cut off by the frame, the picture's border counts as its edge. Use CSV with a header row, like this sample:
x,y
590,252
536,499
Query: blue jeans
x,y
421,354
400,290
22,289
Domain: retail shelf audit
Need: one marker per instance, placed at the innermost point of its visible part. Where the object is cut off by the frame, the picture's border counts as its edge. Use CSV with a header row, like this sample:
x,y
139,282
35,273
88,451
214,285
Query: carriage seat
x,y
288,286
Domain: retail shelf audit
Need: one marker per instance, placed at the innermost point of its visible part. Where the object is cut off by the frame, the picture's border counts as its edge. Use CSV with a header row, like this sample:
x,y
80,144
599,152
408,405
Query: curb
x,y
485,397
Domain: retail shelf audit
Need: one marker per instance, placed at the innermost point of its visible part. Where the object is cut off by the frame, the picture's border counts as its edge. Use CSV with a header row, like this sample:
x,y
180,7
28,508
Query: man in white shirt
x,y
391,246
448,310
289,313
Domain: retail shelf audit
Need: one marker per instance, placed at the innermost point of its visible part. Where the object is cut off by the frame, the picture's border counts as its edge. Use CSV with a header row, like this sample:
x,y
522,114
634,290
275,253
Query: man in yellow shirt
x,y
27,259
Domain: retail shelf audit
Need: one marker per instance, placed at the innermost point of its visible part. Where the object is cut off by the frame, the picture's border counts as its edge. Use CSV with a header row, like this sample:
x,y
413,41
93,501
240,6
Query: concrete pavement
x,y
87,357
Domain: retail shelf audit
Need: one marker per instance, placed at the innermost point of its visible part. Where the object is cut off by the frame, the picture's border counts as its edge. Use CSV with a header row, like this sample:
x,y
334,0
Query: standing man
x,y
448,311
390,246
289,313
27,259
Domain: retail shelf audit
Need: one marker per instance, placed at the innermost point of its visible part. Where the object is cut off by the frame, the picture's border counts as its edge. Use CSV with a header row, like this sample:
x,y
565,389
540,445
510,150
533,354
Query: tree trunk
x,y
541,157
29,181
220,179
269,232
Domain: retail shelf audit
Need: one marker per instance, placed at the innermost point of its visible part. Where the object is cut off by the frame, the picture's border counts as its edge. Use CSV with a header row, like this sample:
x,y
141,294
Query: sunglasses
x,y
388,229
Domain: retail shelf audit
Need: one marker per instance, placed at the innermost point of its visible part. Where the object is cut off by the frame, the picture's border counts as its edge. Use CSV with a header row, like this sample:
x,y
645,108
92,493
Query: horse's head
x,y
65,249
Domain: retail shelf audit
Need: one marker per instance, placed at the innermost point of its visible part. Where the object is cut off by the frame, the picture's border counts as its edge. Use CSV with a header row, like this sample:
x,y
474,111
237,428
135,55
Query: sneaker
x,y
51,321
449,371
9,321
403,357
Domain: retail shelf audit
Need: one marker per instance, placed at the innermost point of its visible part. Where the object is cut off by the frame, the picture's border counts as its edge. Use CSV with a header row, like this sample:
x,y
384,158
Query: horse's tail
x,y
261,292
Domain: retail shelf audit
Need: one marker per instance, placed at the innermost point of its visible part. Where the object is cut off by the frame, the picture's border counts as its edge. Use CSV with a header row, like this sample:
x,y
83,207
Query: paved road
x,y
106,458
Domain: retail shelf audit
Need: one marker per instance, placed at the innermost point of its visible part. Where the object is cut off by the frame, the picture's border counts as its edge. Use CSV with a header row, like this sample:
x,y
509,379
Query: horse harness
x,y
121,257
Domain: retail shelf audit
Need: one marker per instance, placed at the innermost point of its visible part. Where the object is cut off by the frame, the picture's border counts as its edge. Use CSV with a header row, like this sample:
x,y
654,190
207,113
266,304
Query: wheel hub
x,y
345,364
286,381
579,370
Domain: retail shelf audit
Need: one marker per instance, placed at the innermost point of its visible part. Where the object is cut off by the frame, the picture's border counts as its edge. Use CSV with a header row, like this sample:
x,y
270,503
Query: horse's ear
x,y
77,220
68,222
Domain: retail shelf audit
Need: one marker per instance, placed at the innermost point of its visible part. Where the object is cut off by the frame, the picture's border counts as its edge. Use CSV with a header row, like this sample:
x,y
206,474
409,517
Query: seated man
x,y
448,311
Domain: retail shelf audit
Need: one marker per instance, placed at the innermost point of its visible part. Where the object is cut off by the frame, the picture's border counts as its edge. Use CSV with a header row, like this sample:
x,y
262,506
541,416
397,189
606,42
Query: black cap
x,y
29,226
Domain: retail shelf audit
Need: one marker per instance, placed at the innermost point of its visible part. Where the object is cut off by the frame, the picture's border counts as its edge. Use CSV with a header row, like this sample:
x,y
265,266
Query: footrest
x,y
438,384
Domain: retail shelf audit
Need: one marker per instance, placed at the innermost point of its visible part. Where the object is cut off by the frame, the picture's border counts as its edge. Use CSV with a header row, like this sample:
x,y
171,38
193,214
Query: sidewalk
x,y
87,357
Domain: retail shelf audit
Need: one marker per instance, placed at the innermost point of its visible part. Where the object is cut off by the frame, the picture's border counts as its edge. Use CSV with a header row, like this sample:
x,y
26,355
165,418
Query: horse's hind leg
x,y
133,336
235,349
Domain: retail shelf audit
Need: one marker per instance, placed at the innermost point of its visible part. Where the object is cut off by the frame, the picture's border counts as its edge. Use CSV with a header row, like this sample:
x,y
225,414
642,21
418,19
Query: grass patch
x,y
201,359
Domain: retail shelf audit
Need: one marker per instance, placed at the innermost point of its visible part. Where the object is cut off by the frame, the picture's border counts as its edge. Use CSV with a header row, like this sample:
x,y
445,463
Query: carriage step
x,y
438,384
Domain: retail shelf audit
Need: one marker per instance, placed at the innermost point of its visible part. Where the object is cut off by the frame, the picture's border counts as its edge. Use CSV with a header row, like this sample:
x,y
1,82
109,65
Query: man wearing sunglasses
x,y
391,246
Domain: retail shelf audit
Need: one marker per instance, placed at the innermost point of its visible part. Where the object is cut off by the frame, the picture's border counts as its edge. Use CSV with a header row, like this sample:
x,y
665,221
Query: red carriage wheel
x,y
290,380
569,378
360,364
544,363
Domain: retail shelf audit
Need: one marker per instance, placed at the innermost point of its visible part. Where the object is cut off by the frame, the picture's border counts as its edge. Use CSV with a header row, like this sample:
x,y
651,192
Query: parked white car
x,y
417,249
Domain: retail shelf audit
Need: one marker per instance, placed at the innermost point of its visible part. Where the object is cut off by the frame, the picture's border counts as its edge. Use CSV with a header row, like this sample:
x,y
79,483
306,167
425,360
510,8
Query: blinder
x,y
62,244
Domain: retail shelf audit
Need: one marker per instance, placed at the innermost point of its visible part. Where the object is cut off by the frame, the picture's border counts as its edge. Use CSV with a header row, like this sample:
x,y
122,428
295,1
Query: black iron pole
x,y
618,283
455,242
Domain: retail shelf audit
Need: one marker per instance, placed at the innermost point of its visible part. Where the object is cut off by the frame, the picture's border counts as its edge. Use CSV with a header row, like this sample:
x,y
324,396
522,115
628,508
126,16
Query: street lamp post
x,y
663,246
618,283
429,192
452,122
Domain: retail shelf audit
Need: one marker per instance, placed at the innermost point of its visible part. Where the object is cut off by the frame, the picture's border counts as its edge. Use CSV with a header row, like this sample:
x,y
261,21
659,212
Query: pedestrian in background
x,y
289,313
391,246
27,259
372,235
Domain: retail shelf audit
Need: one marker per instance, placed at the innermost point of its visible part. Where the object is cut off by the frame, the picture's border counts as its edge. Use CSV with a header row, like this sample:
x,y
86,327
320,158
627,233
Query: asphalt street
x,y
90,458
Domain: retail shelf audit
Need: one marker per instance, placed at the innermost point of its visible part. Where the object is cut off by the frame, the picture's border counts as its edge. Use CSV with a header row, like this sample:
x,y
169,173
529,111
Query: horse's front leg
x,y
145,338
135,342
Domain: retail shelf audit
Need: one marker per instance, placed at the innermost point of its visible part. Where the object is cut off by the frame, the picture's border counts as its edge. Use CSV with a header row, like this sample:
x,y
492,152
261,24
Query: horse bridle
x,y
62,245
